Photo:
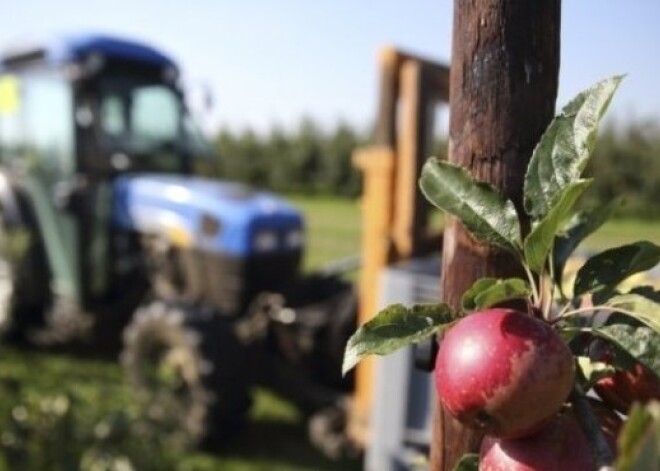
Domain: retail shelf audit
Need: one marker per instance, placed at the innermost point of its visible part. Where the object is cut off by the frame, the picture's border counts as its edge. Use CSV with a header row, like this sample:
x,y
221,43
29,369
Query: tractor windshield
x,y
145,126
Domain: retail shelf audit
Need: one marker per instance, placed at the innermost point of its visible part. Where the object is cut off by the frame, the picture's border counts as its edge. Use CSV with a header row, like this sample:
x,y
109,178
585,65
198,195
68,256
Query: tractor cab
x,y
110,105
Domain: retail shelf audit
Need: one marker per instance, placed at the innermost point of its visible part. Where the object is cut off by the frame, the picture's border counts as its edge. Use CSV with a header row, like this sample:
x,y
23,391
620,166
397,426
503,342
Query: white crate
x,y
402,406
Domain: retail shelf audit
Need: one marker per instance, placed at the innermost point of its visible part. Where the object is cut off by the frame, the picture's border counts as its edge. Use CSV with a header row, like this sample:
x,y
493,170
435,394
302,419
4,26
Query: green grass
x,y
621,232
274,439
333,228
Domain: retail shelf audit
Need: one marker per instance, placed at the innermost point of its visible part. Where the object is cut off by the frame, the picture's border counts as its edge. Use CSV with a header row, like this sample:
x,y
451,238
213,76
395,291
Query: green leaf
x,y
638,307
468,462
649,292
581,225
639,440
564,149
487,292
592,371
540,240
478,205
609,268
394,327
638,341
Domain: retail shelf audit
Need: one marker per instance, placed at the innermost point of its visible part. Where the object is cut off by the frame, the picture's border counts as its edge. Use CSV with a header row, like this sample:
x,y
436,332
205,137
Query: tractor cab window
x,y
148,123
156,114
36,128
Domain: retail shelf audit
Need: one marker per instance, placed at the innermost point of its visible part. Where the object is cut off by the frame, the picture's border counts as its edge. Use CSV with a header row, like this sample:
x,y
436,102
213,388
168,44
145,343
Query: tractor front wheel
x,y
183,363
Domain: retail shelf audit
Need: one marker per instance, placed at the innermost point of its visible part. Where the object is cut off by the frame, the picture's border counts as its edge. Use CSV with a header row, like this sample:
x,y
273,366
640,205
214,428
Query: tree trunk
x,y
503,86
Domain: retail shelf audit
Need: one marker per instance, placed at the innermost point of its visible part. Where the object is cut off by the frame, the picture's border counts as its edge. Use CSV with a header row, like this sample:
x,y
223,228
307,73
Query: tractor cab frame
x,y
73,116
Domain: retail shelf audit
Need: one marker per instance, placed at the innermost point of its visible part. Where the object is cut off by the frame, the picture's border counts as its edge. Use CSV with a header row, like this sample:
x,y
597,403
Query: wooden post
x,y
503,86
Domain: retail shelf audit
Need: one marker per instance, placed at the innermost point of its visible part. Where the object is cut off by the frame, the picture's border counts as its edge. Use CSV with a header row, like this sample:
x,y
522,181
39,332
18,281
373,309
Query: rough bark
x,y
503,86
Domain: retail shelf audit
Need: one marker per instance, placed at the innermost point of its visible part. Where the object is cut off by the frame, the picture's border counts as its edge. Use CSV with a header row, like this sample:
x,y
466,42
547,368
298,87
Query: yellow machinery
x,y
396,219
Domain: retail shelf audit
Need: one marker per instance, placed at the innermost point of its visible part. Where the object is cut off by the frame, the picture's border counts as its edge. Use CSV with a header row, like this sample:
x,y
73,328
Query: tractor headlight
x,y
294,239
265,241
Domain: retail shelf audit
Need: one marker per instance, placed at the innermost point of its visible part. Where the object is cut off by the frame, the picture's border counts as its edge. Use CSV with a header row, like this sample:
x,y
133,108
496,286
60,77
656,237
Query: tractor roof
x,y
65,49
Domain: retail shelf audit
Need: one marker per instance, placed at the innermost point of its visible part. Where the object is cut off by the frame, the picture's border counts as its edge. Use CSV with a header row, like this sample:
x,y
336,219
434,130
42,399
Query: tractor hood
x,y
208,215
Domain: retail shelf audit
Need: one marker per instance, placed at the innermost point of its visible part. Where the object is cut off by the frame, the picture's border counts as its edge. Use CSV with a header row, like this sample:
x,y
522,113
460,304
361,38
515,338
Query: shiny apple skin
x,y
503,372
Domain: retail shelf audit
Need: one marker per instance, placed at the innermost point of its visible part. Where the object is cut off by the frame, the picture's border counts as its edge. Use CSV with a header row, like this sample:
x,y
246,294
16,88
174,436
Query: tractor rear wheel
x,y
24,281
184,365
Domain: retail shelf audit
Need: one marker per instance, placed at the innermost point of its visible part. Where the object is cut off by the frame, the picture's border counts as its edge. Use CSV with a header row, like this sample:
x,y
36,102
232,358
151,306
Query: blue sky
x,y
273,61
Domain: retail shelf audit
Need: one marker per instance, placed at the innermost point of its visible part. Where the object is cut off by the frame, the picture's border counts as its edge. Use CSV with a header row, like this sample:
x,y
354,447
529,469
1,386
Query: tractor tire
x,y
184,366
24,282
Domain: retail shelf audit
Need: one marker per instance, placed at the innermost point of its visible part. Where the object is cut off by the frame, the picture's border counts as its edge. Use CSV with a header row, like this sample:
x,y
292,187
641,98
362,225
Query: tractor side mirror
x,y
208,99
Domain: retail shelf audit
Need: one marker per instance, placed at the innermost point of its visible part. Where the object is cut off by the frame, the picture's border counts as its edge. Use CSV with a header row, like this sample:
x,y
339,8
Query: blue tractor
x,y
110,223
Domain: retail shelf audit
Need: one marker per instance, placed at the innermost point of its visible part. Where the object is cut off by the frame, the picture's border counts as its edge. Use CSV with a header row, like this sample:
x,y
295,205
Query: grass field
x,y
275,439
334,230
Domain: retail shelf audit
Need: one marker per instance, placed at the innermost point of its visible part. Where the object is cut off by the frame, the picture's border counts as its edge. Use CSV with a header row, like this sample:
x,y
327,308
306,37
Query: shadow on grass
x,y
280,446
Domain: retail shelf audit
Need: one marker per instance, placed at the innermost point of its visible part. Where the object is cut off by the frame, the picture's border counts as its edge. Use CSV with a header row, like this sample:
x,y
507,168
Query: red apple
x,y
625,387
559,446
504,372
620,390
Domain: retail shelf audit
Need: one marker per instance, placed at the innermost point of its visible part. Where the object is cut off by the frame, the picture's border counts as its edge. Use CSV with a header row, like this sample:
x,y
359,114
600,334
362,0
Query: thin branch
x,y
551,265
600,449
563,310
600,307
545,296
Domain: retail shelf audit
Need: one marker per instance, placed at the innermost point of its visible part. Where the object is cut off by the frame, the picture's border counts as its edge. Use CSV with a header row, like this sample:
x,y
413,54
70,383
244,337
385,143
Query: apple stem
x,y
600,449
550,292
532,284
